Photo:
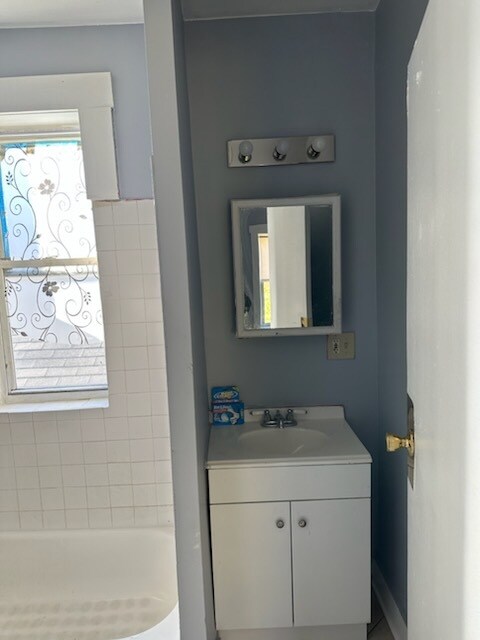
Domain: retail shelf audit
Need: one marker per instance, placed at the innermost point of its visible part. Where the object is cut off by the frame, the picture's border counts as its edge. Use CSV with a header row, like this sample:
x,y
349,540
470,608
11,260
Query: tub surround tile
x,y
52,499
22,433
77,518
118,451
116,429
95,452
69,431
142,450
121,496
24,455
143,472
103,467
96,475
98,497
45,432
48,454
5,435
31,520
50,476
9,520
123,517
146,516
8,500
144,495
74,475
72,453
8,478
100,518
75,497
54,520
119,473
27,478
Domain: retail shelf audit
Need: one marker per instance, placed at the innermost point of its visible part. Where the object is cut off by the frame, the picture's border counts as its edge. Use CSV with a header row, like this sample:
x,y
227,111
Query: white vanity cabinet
x,y
290,533
281,564
299,562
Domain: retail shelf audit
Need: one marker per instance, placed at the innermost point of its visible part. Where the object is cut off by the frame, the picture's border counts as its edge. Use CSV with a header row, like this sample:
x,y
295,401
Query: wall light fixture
x,y
264,152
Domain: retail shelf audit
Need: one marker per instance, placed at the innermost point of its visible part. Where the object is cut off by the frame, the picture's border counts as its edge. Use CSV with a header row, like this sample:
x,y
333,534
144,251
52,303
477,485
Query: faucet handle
x,y
267,420
290,419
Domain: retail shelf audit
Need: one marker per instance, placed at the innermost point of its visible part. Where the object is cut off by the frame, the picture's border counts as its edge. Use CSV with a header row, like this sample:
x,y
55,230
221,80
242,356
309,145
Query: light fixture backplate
x,y
263,149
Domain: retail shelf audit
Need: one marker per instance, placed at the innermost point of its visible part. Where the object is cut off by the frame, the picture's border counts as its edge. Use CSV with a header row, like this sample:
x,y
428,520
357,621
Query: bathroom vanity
x,y
290,528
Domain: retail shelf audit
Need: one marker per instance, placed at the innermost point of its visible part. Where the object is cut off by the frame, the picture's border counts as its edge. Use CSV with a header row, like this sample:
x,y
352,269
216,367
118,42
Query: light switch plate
x,y
341,346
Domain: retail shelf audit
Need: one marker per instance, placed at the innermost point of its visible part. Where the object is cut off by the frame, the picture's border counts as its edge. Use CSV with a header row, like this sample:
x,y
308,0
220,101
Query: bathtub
x,y
88,585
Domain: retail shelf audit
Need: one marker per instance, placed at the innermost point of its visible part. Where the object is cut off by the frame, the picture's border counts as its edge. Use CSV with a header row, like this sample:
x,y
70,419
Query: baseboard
x,y
388,604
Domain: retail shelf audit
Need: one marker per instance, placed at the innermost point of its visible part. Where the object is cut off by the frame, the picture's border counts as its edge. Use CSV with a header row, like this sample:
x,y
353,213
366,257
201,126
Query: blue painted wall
x,y
397,23
118,49
263,77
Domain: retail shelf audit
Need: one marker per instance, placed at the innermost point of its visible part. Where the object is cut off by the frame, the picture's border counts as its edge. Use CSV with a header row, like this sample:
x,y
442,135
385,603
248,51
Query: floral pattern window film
x,y
50,272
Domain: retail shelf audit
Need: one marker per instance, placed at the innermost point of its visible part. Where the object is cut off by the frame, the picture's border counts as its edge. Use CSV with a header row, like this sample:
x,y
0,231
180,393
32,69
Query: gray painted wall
x,y
286,76
181,288
397,24
118,49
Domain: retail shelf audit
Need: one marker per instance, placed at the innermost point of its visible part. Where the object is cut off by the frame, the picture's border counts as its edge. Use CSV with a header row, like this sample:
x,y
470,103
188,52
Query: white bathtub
x,y
88,585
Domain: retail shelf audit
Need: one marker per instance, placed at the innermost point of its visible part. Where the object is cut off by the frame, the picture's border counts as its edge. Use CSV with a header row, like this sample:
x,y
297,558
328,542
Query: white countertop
x,y
323,437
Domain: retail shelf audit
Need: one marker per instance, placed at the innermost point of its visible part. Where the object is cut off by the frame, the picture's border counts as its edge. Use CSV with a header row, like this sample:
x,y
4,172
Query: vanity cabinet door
x,y
252,565
331,562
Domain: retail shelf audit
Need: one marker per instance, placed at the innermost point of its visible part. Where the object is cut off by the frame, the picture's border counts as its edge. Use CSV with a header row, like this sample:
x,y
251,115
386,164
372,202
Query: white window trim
x,y
91,94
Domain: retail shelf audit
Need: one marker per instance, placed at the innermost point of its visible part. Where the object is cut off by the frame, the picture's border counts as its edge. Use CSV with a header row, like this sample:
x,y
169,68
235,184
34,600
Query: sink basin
x,y
287,441
322,436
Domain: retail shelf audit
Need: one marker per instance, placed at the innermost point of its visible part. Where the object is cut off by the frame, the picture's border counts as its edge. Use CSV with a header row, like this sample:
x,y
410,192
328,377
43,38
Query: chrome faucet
x,y
278,420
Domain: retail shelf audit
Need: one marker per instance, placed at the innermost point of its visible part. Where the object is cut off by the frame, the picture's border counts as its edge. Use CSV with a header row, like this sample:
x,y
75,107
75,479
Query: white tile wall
x,y
103,467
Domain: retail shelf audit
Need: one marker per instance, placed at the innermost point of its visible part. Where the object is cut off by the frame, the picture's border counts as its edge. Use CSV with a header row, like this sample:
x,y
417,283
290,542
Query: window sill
x,y
54,405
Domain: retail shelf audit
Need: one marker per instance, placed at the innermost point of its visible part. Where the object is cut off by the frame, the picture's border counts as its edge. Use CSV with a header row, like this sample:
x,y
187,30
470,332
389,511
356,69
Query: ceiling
x,y
210,9
62,13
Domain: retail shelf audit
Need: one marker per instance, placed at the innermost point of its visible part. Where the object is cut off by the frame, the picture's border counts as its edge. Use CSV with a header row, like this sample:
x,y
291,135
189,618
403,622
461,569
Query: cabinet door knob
x,y
302,523
280,524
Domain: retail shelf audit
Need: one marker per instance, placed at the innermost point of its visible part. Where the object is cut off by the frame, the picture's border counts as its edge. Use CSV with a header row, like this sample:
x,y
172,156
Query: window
x,y
51,314
264,280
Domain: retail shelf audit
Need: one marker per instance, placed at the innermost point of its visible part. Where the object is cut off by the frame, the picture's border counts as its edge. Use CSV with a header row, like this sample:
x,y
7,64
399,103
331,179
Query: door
x,y
443,323
252,565
331,562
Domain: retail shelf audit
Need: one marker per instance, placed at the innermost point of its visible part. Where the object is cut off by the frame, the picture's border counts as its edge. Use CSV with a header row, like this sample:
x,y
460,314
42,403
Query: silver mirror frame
x,y
332,200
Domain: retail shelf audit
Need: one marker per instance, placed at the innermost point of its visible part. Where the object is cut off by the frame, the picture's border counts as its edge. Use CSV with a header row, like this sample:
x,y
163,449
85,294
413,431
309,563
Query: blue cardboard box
x,y
225,394
227,413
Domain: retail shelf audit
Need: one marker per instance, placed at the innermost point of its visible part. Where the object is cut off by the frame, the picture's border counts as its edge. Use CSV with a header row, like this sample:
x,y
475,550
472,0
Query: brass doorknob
x,y
394,443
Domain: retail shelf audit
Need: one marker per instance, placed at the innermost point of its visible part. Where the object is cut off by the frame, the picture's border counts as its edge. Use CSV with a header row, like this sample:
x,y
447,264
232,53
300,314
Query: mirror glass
x,y
287,266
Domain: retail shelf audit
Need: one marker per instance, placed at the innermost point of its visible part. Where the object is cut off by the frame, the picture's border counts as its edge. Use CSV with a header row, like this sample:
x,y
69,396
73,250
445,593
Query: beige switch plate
x,y
341,346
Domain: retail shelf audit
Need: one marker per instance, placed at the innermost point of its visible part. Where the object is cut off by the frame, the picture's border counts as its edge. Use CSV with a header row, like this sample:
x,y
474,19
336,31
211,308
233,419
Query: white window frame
x,y
91,95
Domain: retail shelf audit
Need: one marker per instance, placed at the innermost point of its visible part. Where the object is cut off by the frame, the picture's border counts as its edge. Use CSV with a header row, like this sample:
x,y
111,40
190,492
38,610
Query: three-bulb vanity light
x,y
281,150
245,150
316,147
271,151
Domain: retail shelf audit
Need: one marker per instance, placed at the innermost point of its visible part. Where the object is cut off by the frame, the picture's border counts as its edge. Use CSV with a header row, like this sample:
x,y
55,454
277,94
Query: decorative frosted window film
x,y
52,318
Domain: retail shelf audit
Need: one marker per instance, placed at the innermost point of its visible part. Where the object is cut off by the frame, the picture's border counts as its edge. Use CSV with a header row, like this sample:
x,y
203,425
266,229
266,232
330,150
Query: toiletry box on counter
x,y
290,528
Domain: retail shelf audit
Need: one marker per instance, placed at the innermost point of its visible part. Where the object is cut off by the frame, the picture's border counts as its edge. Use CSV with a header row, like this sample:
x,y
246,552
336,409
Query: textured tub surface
x,y
99,585
104,619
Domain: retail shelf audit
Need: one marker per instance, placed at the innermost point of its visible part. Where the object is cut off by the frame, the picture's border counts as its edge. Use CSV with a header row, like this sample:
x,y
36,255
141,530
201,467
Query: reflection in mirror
x,y
287,266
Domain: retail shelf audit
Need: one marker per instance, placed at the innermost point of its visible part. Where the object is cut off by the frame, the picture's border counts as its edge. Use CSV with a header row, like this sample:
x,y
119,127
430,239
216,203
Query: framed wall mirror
x,y
287,265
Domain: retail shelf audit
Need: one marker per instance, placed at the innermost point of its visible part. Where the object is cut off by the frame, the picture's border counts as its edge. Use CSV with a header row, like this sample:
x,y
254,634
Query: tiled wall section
x,y
103,467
